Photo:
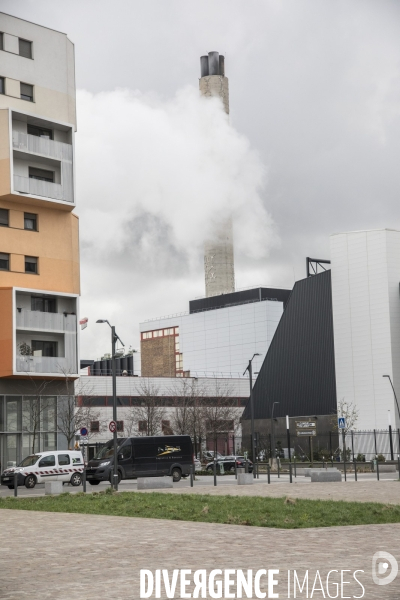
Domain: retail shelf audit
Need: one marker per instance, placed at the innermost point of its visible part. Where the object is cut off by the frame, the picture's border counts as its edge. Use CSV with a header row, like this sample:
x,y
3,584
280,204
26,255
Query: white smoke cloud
x,y
154,179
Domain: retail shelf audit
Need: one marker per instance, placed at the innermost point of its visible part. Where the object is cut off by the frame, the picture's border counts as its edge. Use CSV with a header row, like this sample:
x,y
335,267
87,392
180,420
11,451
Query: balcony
x,y
36,187
43,146
34,320
59,365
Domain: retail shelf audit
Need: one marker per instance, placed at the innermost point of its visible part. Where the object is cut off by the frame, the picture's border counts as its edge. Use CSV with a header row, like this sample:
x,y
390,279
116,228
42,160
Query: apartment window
x,y
43,304
120,426
2,86
4,262
94,426
31,263
26,92
30,221
45,348
1,40
3,217
41,174
40,132
25,48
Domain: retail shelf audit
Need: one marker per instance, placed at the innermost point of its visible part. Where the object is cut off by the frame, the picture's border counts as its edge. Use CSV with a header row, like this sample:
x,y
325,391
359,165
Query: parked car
x,y
209,455
57,465
197,465
143,457
229,464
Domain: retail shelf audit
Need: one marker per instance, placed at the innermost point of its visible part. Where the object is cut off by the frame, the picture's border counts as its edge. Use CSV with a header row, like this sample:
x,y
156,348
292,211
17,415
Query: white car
x,y
197,465
58,465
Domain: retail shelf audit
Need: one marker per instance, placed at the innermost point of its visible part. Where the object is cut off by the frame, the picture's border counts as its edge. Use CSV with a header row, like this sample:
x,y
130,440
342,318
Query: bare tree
x,y
220,413
149,413
189,413
349,412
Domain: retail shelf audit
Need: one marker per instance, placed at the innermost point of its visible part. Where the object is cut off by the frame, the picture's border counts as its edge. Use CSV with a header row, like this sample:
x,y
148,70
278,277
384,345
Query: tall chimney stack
x,y
219,268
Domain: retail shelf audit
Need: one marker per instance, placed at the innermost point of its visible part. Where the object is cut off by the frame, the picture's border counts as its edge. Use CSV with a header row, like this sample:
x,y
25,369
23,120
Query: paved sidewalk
x,y
386,492
53,556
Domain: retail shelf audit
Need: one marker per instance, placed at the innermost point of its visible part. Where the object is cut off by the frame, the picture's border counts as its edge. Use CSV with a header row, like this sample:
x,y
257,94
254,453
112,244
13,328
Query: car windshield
x,y
29,461
106,452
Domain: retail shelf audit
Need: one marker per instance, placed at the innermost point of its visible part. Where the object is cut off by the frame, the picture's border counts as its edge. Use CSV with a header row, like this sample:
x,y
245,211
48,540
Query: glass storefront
x,y
27,424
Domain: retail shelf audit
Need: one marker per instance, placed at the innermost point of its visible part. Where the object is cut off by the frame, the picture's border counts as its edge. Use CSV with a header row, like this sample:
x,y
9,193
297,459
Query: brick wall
x,y
158,357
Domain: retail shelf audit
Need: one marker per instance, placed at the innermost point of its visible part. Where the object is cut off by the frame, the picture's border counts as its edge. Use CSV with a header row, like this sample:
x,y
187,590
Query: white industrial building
x,y
366,321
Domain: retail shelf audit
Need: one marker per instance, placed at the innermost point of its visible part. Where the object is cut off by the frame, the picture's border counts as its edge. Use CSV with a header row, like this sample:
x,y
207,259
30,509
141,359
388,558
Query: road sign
x,y
306,428
84,431
83,322
341,422
112,426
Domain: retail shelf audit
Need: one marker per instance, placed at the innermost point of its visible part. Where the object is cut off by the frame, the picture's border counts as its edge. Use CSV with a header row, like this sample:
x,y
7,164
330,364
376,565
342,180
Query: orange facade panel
x,y
6,332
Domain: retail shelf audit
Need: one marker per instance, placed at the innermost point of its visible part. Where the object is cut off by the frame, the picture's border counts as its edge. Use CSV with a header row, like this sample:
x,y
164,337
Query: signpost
x,y
83,322
112,426
309,429
341,422
84,431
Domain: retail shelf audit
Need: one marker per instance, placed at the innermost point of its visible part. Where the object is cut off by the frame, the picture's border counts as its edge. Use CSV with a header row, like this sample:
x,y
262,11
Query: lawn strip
x,y
283,513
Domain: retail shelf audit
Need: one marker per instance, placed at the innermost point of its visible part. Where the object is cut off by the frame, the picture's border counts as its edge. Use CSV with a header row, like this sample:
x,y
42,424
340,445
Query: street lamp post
x,y
394,393
114,338
249,368
272,434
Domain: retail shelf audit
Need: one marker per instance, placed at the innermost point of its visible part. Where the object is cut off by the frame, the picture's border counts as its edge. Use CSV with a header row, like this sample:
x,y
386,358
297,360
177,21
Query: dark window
x,y
4,262
2,86
94,426
30,221
63,459
3,217
142,426
43,304
46,348
41,174
1,40
26,92
40,132
120,426
25,48
31,263
47,461
126,451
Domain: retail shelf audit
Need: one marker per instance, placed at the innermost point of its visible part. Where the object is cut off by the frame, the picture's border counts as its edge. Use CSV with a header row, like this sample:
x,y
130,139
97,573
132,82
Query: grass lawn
x,y
284,513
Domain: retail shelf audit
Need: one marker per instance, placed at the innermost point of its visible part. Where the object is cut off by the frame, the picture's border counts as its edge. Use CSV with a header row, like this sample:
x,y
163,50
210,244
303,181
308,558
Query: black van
x,y
143,457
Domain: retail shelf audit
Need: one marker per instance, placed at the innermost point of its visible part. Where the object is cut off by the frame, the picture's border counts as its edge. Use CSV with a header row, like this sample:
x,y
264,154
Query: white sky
x,y
312,148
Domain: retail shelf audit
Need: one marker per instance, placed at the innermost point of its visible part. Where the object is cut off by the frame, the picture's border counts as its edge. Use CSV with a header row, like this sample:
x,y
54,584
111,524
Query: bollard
x,y
246,466
278,460
323,463
295,469
344,468
269,472
235,469
115,479
398,463
355,470
84,480
215,472
377,468
191,475
290,473
258,470
332,461
15,485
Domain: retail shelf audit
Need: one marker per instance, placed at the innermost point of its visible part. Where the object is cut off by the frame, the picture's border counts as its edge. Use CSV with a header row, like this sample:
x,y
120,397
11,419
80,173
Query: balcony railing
x,y
37,145
46,364
36,187
45,321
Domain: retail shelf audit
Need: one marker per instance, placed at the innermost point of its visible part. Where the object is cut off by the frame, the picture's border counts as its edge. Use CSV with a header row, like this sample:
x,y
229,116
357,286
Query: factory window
x,y
2,87
43,304
3,217
41,174
45,348
94,426
26,92
157,333
30,221
31,264
40,132
169,331
146,335
4,262
25,48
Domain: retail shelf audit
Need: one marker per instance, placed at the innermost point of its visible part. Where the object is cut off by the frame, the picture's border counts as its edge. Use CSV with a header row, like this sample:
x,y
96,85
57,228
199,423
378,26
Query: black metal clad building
x,y
237,298
299,368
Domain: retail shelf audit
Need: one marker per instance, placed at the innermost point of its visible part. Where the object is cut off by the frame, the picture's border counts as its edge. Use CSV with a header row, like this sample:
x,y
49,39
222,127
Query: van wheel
x,y
176,474
30,482
76,479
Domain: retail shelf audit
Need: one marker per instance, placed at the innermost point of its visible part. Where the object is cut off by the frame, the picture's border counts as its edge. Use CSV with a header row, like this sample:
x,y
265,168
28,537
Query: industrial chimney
x,y
219,268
